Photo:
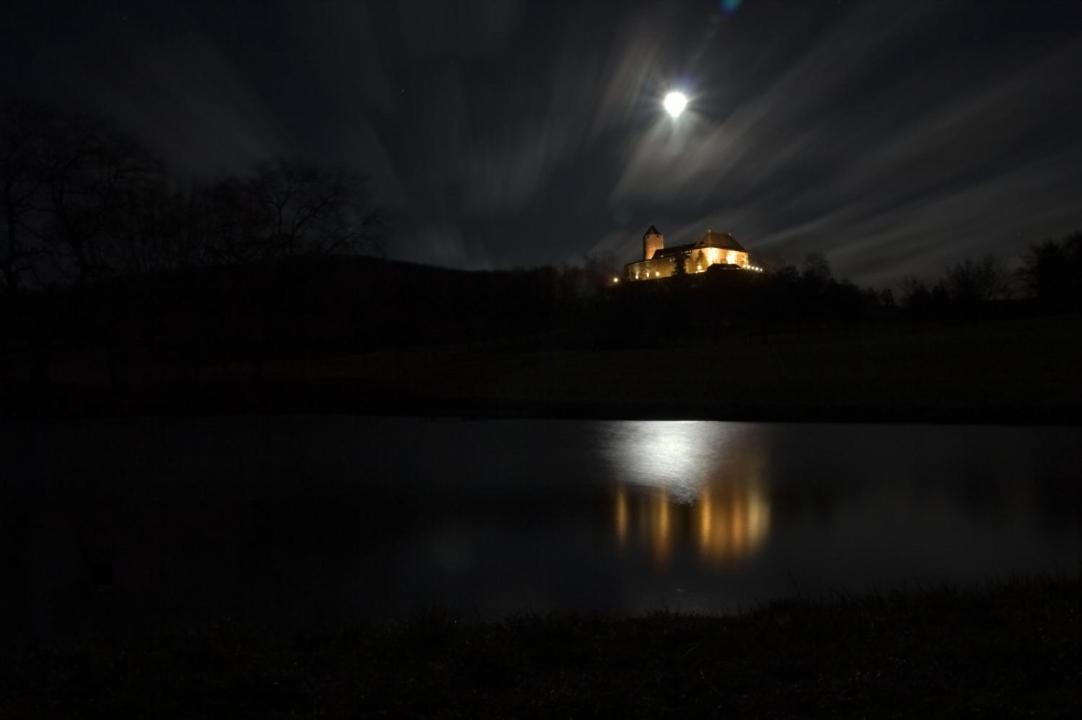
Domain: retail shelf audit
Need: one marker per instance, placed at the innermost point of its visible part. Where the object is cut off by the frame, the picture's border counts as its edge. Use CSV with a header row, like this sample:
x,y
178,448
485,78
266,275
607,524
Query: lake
x,y
300,523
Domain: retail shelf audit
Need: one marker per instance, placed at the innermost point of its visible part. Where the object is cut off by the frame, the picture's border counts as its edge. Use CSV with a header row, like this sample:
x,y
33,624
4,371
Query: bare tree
x,y
1052,272
977,281
305,210
914,292
94,178
21,182
80,200
286,209
226,223
817,269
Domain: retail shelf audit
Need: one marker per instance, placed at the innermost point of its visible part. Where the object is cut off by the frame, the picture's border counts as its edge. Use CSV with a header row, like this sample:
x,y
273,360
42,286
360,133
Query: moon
x,y
675,102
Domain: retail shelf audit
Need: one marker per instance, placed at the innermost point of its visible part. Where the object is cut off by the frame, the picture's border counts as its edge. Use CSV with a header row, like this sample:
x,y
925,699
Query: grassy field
x,y
1013,649
1001,372
993,373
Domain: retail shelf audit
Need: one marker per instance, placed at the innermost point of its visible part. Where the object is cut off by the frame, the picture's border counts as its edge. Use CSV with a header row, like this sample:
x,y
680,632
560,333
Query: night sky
x,y
895,136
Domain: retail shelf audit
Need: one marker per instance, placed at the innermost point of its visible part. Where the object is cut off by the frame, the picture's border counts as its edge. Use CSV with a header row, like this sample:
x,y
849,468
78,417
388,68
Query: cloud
x,y
440,244
936,161
893,136
425,29
192,105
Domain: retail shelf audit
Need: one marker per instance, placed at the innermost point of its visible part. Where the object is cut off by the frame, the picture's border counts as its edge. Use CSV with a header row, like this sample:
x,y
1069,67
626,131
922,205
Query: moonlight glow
x,y
675,102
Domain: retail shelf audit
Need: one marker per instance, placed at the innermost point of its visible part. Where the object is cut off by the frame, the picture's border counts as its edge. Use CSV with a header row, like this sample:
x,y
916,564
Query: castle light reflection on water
x,y
700,485
342,517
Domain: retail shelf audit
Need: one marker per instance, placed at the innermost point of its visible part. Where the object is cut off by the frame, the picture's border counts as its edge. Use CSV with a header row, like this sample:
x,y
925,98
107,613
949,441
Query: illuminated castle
x,y
713,248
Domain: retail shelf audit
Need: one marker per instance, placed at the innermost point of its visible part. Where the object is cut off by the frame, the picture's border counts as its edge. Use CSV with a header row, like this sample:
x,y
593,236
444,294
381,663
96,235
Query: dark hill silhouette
x,y
359,334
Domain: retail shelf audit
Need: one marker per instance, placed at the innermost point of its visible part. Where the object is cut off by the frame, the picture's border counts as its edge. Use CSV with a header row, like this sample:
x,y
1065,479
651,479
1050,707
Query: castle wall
x,y
716,256
694,261
654,269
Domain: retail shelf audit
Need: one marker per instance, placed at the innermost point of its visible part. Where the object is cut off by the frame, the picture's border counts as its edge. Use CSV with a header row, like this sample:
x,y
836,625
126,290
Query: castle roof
x,y
712,239
651,231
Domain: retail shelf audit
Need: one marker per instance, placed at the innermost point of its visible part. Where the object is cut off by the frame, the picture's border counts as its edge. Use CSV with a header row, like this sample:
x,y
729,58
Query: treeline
x,y
81,201
1050,276
708,305
725,301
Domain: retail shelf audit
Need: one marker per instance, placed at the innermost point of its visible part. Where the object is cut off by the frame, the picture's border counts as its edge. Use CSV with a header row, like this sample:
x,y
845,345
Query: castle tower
x,y
652,241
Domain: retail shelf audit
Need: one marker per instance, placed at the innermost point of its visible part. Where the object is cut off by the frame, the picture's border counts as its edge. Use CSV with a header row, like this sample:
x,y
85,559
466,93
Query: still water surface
x,y
303,522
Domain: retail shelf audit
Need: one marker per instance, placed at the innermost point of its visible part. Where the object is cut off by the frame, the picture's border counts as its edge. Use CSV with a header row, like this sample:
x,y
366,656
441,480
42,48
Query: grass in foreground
x,y
1010,649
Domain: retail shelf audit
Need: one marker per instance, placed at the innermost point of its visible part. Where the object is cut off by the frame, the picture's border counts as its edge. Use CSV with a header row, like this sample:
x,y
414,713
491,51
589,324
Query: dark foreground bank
x,y
1010,649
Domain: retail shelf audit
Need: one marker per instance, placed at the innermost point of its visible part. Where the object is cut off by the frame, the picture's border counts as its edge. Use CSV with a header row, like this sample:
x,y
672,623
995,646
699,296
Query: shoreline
x,y
1007,648
362,399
